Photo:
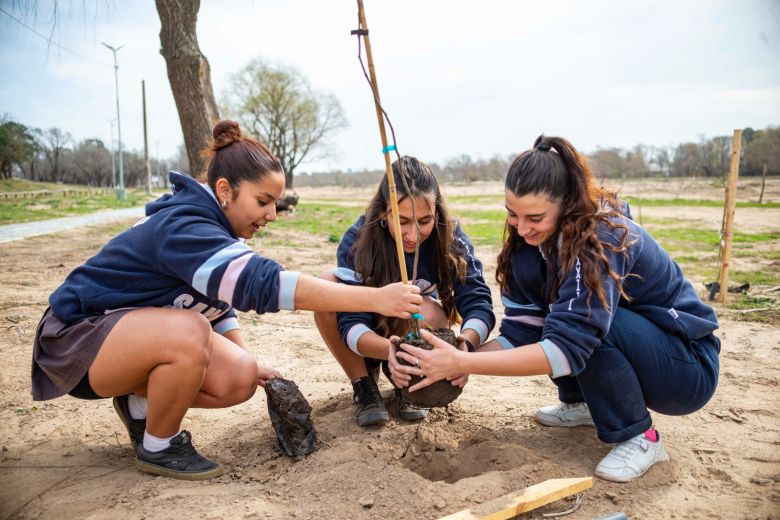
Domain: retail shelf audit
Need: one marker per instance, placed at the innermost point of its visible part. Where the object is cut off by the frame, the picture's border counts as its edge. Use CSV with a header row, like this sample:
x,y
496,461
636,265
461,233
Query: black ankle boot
x,y
371,409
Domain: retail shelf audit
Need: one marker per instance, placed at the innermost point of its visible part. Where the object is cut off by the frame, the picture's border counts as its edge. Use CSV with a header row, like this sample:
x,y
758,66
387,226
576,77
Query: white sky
x,y
475,77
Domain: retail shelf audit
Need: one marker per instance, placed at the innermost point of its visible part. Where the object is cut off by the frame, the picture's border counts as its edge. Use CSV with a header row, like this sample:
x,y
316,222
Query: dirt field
x,y
69,459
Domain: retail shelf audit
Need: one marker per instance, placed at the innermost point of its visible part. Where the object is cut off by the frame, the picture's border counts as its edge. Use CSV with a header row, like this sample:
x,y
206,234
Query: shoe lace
x,y
186,448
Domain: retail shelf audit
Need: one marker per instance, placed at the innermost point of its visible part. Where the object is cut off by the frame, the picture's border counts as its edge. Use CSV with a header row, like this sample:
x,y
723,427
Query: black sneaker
x,y
371,409
135,427
406,411
180,460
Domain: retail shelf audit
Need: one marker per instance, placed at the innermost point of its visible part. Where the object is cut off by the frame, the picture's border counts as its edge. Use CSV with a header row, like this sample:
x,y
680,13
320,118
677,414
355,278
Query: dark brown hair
x,y
374,249
235,157
555,169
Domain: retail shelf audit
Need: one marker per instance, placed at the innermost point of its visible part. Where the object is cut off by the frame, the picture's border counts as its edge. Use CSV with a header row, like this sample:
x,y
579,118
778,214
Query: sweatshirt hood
x,y
188,192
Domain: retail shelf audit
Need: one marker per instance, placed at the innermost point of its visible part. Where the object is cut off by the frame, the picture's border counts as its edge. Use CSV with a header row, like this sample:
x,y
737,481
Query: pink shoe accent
x,y
651,434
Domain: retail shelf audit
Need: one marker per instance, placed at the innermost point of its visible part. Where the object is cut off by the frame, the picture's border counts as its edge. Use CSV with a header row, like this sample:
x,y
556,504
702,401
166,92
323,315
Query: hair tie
x,y
545,147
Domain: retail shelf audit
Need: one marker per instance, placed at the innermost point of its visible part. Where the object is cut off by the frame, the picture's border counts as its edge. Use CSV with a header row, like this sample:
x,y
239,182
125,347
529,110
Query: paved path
x,y
41,227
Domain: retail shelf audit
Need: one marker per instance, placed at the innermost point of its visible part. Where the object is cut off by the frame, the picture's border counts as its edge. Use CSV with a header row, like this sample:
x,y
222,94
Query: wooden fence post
x,y
728,215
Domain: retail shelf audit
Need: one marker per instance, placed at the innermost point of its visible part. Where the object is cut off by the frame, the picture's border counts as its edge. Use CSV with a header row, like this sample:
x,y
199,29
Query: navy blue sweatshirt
x,y
568,330
471,296
183,254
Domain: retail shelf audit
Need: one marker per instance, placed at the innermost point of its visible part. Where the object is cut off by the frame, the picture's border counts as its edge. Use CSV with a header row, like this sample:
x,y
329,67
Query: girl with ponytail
x,y
592,300
150,319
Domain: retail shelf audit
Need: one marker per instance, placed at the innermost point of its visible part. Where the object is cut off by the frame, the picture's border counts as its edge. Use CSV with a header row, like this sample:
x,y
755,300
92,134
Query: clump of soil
x,y
440,393
291,417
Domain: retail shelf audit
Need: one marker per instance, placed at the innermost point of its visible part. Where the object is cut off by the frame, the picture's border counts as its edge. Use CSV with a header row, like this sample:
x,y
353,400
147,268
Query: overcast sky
x,y
456,77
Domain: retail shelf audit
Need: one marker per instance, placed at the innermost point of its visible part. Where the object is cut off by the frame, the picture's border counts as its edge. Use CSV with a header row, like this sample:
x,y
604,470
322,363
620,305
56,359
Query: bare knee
x,y
245,384
434,313
192,341
239,382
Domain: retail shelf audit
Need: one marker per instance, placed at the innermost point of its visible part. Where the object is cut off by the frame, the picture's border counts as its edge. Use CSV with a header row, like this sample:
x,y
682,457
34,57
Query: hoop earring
x,y
383,222
223,204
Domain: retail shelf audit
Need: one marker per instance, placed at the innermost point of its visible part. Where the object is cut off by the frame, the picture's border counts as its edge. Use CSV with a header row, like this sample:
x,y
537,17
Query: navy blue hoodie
x,y
183,254
471,297
569,330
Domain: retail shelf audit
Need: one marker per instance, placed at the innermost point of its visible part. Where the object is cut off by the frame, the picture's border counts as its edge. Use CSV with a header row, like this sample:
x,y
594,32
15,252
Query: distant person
x,y
149,320
448,273
592,300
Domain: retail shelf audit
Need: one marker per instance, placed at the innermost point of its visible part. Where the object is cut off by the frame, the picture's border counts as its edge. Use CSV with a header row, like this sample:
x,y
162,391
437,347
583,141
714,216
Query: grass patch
x,y
635,202
14,185
330,220
16,211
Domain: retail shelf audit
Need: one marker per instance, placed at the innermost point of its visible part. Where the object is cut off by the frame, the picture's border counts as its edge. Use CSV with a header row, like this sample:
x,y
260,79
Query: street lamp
x,y
121,195
113,155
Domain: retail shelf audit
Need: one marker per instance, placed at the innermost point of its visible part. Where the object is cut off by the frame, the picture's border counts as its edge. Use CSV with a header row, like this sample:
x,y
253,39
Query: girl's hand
x,y
398,299
434,365
463,345
398,372
265,373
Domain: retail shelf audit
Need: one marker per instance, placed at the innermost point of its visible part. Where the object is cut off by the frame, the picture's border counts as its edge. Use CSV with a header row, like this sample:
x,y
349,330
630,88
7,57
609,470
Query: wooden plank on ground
x,y
517,502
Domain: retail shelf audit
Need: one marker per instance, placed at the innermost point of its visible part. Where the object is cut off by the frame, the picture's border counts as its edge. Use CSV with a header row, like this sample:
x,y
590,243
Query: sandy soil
x,y
68,458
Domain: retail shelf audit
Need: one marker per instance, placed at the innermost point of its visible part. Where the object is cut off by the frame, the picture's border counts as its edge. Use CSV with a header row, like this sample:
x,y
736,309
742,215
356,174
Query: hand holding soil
x,y
430,369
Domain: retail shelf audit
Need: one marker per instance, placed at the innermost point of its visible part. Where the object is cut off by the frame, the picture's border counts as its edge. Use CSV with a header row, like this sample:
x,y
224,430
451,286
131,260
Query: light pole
x,y
121,195
113,156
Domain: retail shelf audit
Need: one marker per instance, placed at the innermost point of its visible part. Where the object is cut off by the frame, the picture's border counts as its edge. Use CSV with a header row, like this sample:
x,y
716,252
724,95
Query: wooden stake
x,y
728,215
763,184
518,502
399,248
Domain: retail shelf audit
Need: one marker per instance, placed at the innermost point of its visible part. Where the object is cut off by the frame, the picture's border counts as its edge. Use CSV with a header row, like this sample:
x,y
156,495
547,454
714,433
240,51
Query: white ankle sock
x,y
137,406
154,444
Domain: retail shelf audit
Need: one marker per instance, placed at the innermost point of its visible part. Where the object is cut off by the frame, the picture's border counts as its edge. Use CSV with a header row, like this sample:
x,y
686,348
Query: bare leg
x,y
174,358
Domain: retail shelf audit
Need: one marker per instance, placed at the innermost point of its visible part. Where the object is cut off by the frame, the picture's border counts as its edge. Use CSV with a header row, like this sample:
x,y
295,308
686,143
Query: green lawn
x,y
19,210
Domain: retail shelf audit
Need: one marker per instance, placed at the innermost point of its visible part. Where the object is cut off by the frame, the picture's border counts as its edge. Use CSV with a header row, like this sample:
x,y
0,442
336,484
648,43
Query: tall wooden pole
x,y
385,151
728,215
146,143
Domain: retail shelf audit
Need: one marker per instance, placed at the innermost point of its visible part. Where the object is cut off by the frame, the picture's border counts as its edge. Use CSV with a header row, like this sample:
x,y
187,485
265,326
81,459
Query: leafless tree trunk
x,y
189,74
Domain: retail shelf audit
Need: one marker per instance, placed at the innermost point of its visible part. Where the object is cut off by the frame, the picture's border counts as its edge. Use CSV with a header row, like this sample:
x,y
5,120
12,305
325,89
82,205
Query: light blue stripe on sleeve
x,y
200,280
514,305
226,325
354,335
558,362
288,281
505,343
477,326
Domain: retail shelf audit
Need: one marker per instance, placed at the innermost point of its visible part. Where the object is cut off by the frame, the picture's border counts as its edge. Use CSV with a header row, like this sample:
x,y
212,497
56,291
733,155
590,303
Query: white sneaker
x,y
564,414
631,459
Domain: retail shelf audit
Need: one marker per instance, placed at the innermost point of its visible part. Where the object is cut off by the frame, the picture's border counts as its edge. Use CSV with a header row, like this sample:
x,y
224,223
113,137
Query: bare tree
x,y
54,142
277,105
189,75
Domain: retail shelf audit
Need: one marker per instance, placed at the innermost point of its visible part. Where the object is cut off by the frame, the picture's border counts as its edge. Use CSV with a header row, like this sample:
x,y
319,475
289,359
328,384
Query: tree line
x,y
52,155
707,158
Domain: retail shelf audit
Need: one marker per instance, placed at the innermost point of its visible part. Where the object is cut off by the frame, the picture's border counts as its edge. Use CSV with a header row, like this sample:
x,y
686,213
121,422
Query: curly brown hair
x,y
555,169
374,247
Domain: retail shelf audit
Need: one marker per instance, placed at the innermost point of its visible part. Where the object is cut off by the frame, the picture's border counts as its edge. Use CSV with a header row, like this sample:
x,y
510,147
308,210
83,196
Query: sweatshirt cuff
x,y
505,343
353,335
478,326
558,362
226,326
288,281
